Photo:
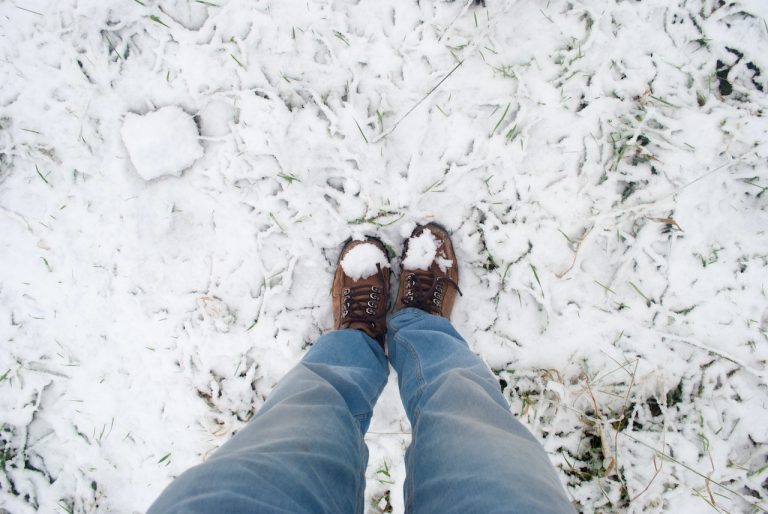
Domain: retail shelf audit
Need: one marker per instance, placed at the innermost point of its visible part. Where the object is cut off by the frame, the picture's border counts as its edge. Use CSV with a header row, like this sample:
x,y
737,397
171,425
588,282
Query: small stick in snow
x,y
394,126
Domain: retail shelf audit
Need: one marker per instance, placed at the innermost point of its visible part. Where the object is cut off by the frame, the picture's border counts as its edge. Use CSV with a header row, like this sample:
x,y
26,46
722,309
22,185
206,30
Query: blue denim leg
x,y
303,452
468,453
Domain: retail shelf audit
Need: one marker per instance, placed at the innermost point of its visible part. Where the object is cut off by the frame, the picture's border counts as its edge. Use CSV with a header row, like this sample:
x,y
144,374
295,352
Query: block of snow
x,y
162,142
360,261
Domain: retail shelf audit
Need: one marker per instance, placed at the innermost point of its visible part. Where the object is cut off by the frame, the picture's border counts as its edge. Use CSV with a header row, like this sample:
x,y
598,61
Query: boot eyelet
x,y
372,304
346,291
376,289
374,296
436,301
370,311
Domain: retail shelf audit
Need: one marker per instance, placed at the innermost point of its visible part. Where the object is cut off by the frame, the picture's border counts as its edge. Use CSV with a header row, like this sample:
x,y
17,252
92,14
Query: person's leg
x,y
468,453
303,452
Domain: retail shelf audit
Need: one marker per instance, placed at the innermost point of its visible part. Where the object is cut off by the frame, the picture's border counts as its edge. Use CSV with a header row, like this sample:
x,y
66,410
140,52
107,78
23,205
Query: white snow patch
x,y
422,252
216,118
163,142
406,228
360,262
443,263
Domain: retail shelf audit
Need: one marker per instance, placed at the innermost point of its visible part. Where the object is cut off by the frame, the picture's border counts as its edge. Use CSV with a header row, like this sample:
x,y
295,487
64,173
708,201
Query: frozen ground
x,y
601,164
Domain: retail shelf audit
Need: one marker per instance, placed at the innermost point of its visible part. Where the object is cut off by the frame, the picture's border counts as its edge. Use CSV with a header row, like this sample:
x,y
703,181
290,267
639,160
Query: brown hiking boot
x,y
360,291
429,272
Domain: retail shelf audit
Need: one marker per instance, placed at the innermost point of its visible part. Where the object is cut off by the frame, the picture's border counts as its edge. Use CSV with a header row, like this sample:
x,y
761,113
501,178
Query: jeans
x,y
303,452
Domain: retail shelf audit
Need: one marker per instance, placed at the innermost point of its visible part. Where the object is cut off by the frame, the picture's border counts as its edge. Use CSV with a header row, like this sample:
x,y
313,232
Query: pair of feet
x,y
429,278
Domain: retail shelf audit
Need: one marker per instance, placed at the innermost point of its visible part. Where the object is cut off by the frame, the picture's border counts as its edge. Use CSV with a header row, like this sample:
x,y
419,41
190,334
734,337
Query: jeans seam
x,y
409,480
419,375
360,492
420,382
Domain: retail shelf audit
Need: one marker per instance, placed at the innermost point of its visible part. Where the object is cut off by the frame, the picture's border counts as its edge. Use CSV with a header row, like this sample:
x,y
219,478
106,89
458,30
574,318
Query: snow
x,y
362,261
423,251
165,141
601,166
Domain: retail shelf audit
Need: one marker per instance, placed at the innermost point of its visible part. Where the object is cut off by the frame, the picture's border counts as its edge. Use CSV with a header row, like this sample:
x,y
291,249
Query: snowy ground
x,y
601,164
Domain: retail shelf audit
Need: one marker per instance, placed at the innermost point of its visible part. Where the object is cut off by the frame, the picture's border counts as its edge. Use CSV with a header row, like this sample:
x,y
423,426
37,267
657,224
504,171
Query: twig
x,y
576,252
361,130
28,10
18,217
712,351
474,47
702,475
394,126
649,204
658,452
600,428
648,486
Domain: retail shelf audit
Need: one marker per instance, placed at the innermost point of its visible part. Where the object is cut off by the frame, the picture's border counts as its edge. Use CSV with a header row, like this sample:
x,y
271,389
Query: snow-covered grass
x,y
601,165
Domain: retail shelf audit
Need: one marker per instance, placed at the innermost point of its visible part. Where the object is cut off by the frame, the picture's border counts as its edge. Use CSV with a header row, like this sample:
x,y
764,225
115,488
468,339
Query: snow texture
x,y
163,142
601,165
423,251
362,261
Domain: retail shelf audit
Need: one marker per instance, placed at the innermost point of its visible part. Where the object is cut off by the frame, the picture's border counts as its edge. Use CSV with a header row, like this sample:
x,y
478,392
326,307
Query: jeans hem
x,y
413,311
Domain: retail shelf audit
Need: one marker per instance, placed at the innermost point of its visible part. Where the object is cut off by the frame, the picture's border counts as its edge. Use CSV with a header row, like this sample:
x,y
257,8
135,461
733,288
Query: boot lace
x,y
425,292
359,304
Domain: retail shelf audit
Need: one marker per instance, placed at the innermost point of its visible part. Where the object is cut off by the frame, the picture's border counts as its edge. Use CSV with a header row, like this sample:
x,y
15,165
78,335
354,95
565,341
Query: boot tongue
x,y
374,333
